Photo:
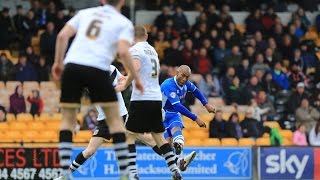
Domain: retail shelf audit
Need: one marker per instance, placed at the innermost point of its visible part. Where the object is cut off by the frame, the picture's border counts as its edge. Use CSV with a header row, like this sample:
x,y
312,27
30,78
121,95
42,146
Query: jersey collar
x,y
175,80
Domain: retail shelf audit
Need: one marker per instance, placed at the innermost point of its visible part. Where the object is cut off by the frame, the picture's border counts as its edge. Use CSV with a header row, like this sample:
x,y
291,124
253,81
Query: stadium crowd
x,y
271,67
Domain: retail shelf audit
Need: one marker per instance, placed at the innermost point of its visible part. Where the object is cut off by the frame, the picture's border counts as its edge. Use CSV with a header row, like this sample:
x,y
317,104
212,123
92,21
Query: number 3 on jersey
x,y
94,29
154,68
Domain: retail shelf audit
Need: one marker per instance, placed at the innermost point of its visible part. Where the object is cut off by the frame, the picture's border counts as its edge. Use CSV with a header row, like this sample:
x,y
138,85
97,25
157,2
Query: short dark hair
x,y
113,2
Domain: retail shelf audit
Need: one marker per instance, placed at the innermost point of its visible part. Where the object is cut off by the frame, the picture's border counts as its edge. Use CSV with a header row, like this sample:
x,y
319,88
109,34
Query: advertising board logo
x,y
281,163
237,162
89,167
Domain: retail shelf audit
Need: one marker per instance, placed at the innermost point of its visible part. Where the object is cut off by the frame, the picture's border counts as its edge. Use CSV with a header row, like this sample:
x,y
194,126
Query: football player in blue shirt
x,y
174,91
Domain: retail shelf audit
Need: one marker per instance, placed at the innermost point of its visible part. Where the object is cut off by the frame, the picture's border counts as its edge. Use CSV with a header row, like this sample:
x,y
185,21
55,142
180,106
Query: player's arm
x,y
199,95
125,39
68,31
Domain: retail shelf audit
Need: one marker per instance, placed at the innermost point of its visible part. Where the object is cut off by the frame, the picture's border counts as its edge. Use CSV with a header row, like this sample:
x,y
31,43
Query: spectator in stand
x,y
225,16
314,135
48,42
269,58
32,58
307,114
180,21
202,63
234,58
309,59
161,20
250,54
187,53
316,100
296,98
212,15
287,47
295,76
235,34
279,77
272,44
297,59
36,102
3,114
217,126
209,86
7,70
226,81
29,28
299,136
233,128
269,86
160,45
219,54
17,102
172,55
90,120
253,22
263,103
18,19
259,64
72,12
59,20
277,33
268,20
251,128
244,71
261,43
260,114
210,49
24,70
253,88
6,29
303,18
152,35
234,93
50,12
43,70
318,23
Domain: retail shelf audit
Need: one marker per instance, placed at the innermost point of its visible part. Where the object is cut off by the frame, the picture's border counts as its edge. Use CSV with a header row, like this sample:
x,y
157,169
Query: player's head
x,y
183,74
115,3
140,33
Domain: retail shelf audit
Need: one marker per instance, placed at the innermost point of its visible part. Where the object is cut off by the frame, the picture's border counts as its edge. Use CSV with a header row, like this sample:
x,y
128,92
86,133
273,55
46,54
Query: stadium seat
x,y
272,124
37,125
48,85
246,142
199,133
211,142
11,117
226,115
24,117
287,142
31,85
207,117
48,136
44,117
57,117
286,134
194,142
53,125
241,116
11,136
4,127
83,136
229,142
11,86
30,136
263,142
19,126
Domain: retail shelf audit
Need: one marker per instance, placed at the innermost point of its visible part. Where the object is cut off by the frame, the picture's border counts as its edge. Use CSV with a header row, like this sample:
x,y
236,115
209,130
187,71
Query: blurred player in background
x,y
174,91
101,33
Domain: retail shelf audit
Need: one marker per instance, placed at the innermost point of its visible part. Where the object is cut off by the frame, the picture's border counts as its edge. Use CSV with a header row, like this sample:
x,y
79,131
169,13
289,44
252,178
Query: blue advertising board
x,y
286,163
210,163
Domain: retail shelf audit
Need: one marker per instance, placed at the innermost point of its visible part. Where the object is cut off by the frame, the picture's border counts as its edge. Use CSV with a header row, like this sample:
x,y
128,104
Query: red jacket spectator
x,y
36,103
202,62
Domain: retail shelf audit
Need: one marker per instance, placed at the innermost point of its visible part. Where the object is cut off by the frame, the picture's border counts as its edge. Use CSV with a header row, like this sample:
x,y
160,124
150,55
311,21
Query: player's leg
x,y
168,155
71,90
94,144
173,124
177,139
132,167
102,93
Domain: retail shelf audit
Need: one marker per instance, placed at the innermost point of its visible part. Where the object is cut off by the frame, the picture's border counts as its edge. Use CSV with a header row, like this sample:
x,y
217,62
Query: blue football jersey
x,y
173,93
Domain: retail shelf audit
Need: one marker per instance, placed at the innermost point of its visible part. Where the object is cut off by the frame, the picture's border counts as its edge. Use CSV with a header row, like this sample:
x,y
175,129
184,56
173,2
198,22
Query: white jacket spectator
x,y
314,135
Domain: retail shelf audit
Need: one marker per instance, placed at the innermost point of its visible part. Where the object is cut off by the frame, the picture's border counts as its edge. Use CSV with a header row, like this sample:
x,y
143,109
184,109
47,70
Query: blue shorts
x,y
170,121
